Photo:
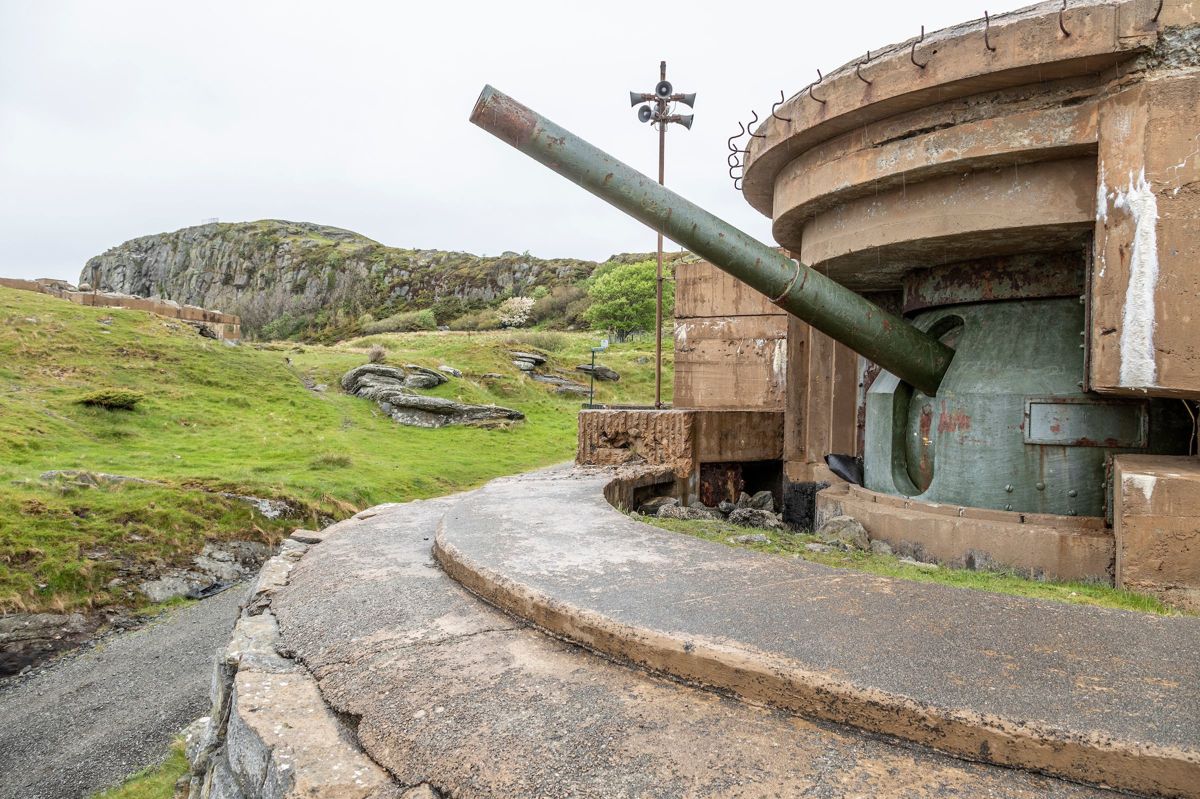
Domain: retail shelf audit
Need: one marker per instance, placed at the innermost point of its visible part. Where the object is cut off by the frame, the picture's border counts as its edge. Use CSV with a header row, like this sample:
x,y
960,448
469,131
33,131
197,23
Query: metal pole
x,y
592,382
658,304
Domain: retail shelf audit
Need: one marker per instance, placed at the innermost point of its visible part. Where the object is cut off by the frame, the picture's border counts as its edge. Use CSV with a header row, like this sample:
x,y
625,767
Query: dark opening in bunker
x,y
723,482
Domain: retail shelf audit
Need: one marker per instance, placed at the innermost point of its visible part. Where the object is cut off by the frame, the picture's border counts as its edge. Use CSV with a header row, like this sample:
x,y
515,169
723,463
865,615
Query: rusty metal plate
x,y
1085,422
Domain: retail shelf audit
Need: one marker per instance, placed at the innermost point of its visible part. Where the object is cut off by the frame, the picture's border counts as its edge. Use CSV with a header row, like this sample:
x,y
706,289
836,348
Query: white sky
x,y
119,119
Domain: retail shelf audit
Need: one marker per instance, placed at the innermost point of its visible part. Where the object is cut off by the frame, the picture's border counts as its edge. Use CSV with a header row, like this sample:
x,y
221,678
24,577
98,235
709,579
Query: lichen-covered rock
x,y
686,513
844,531
763,500
651,506
755,517
389,387
599,372
420,377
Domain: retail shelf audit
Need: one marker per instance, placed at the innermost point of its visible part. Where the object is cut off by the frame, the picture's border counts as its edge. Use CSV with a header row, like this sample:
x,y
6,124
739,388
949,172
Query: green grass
x,y
793,545
156,782
239,419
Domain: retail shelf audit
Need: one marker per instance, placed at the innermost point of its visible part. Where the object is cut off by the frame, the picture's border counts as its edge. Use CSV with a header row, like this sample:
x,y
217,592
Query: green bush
x,y
284,327
487,319
562,306
547,342
623,299
113,399
403,322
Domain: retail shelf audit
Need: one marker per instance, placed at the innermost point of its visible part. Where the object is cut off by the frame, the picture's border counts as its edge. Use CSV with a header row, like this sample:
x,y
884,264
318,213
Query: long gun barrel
x,y
835,310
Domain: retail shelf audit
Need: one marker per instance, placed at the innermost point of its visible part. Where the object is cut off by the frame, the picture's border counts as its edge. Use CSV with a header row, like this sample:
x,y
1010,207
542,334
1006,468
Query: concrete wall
x,y
1156,523
222,325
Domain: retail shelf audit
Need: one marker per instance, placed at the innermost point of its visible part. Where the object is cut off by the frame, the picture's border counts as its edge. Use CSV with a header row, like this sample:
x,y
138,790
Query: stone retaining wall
x,y
251,746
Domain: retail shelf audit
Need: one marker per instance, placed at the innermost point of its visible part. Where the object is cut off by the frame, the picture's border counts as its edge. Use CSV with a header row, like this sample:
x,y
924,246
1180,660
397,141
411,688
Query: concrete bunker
x,y
1016,226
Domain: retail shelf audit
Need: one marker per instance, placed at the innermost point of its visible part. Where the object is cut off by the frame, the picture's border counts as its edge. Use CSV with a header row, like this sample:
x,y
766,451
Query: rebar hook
x,y
1156,13
820,78
912,53
1061,26
858,68
738,135
987,27
754,122
776,105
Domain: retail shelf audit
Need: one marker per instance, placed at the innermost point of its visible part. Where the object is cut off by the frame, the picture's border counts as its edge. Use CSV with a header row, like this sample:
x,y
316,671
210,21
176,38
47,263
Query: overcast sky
x,y
119,119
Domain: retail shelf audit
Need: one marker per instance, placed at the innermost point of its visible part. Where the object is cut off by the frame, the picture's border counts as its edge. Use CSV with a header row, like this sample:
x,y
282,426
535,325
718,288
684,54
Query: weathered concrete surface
x,y
457,699
1156,515
89,720
269,735
1037,545
1099,695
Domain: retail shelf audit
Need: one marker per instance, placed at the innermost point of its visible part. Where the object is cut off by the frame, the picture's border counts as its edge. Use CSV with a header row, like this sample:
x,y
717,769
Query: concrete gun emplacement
x,y
1024,436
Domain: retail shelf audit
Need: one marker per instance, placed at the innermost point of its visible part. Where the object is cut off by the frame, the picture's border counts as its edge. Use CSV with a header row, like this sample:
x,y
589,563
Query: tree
x,y
623,299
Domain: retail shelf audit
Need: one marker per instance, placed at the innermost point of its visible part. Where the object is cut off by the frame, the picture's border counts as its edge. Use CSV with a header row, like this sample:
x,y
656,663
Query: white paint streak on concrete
x,y
1101,197
1138,368
1142,482
779,361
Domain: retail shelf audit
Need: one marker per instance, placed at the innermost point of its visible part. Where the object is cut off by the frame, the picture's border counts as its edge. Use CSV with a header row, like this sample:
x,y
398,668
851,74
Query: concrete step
x,y
454,698
1101,696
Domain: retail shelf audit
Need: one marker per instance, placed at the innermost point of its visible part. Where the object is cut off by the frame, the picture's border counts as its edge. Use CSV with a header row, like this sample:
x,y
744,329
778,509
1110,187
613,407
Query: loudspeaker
x,y
635,98
645,114
686,120
688,99
663,90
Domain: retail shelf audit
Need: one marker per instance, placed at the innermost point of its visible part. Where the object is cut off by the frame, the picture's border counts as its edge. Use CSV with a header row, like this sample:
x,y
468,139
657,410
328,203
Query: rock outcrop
x,y
391,387
292,271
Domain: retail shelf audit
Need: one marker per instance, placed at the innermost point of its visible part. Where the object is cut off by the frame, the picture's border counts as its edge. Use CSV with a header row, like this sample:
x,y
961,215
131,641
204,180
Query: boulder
x,y
651,506
753,538
561,384
386,385
726,507
524,365
420,411
881,547
28,638
686,514
844,531
530,357
420,377
818,548
743,500
450,370
755,517
763,500
599,372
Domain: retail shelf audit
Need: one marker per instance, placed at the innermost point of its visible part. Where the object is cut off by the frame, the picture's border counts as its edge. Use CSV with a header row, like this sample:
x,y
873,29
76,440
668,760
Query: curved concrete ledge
x,y
1071,691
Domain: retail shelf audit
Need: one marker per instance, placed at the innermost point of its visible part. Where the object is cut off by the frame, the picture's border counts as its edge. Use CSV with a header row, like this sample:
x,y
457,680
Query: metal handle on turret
x,y
835,310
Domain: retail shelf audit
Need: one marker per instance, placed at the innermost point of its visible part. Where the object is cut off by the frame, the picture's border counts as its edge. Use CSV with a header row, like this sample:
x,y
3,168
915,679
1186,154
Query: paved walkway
x,y
449,693
1095,694
89,720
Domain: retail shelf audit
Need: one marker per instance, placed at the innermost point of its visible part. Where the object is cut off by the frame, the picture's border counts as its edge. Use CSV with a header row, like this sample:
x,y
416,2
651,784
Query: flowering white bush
x,y
514,312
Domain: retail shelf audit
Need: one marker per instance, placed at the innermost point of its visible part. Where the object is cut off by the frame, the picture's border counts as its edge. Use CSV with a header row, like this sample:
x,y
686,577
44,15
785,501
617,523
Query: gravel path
x,y
93,718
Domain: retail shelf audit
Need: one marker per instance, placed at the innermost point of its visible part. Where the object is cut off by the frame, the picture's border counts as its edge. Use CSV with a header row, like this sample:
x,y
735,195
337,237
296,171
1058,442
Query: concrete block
x,y
1156,521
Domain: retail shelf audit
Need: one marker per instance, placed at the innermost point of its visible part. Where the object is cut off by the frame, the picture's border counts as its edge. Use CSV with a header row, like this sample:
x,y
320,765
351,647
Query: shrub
x,y
284,327
487,319
556,305
403,322
514,312
376,354
113,399
623,299
330,461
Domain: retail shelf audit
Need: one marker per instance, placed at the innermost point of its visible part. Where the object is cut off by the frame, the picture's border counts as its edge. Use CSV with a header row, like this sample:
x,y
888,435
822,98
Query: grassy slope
x,y
233,418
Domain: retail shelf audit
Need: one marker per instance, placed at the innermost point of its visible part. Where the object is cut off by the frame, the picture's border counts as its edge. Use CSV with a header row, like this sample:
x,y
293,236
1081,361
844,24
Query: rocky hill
x,y
316,282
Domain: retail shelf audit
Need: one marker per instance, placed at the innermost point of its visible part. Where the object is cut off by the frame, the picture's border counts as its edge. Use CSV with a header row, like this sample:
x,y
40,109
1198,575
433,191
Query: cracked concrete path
x,y
445,691
92,718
